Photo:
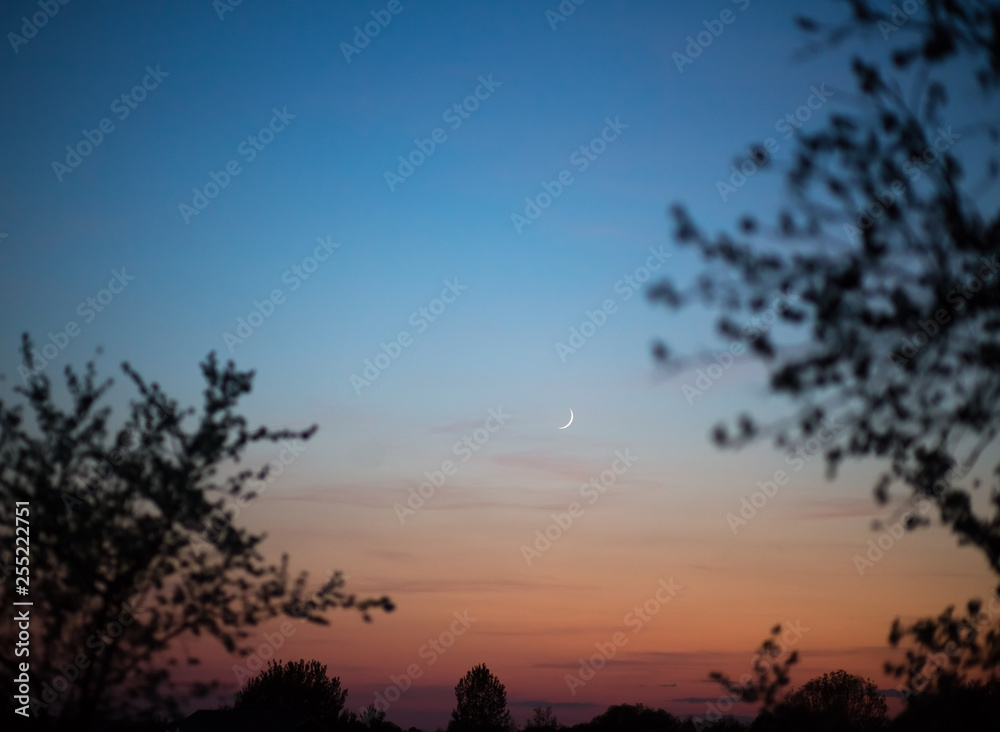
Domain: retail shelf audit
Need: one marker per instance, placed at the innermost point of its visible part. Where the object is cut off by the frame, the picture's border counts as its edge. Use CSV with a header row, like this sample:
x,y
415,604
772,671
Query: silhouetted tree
x,y
480,703
873,299
133,544
850,701
295,686
543,720
372,716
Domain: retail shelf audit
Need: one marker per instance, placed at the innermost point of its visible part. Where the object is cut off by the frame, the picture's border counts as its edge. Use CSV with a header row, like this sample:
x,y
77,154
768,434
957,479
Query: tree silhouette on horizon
x,y
480,703
846,699
133,544
295,686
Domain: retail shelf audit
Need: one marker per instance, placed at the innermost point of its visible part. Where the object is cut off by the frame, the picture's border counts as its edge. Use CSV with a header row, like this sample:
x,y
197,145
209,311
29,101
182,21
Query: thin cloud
x,y
539,462
837,508
470,585
460,427
531,703
707,699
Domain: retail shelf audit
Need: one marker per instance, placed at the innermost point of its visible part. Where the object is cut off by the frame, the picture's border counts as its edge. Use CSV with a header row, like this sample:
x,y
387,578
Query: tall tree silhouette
x,y
480,703
886,260
133,544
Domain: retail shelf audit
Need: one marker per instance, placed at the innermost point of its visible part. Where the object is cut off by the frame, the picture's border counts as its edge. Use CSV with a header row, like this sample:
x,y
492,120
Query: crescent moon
x,y
570,420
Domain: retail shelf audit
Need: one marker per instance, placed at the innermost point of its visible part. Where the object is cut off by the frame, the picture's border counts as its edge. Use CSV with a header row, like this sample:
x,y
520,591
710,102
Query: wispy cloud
x,y
471,585
834,508
564,468
532,703
460,427
705,699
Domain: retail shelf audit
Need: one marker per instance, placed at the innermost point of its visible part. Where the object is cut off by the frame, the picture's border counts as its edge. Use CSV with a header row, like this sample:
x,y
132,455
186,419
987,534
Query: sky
x,y
428,227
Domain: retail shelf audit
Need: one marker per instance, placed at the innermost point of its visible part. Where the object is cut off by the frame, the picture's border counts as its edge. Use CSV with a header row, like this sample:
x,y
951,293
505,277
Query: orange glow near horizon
x,y
792,563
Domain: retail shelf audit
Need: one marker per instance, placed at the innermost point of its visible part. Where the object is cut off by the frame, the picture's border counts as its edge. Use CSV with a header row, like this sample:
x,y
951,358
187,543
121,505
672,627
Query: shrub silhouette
x,y
295,686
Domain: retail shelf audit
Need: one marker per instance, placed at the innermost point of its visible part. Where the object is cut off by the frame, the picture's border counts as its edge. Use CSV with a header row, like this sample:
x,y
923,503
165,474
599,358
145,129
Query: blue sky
x,y
322,176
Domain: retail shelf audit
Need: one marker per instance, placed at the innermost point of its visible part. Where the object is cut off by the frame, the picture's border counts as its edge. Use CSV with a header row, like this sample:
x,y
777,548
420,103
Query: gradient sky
x,y
322,176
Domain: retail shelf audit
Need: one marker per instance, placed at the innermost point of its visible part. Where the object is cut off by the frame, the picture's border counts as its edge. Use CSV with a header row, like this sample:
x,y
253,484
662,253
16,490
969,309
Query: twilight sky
x,y
433,243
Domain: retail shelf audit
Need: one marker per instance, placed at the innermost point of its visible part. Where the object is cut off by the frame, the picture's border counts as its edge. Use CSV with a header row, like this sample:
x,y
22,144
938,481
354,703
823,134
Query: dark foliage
x,y
295,686
771,666
480,703
634,718
542,720
974,706
849,701
886,260
133,544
